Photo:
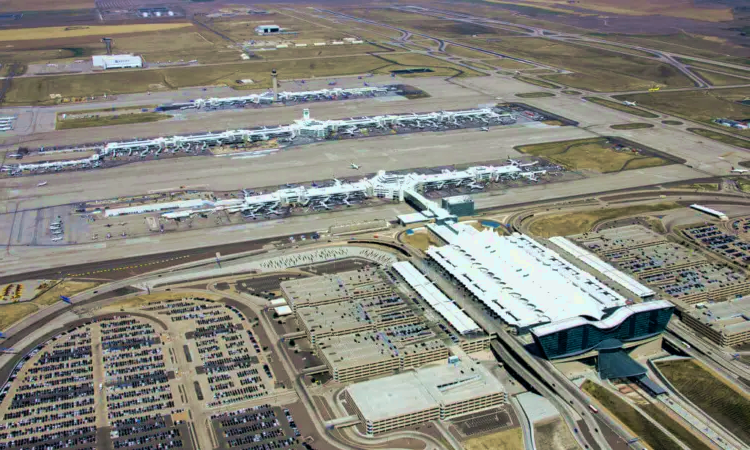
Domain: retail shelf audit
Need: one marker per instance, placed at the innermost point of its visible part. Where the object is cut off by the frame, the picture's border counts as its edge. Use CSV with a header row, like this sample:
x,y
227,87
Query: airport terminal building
x,y
579,335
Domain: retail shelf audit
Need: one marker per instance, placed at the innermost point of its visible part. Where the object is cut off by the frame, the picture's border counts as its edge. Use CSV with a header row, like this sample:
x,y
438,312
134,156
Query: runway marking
x,y
130,267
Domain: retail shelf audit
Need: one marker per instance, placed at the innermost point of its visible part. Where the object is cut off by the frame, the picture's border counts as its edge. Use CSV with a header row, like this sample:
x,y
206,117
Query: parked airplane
x,y
654,89
738,170
40,184
485,129
355,166
627,103
57,239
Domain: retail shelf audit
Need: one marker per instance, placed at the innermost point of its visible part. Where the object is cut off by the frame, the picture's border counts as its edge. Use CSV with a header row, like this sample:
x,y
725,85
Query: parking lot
x,y
262,427
719,241
679,272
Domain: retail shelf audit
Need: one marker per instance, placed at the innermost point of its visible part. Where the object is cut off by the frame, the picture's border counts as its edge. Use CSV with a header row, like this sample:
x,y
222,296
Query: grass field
x,y
479,65
505,63
700,186
628,415
675,8
723,403
671,122
104,121
631,126
690,44
38,90
537,82
728,70
535,94
569,92
581,222
595,69
511,439
617,48
401,61
554,436
719,79
26,34
700,106
12,313
621,107
726,139
591,154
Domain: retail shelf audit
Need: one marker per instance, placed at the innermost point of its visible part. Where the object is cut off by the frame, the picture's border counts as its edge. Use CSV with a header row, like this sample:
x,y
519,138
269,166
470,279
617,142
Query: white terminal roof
x,y
116,60
520,280
283,310
602,267
425,388
436,299
613,320
278,302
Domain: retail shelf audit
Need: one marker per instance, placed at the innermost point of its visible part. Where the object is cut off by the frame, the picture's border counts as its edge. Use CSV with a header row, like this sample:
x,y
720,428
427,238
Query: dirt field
x,y
66,288
12,313
26,34
511,439
554,436
595,69
595,154
724,403
648,432
579,222
701,106
420,239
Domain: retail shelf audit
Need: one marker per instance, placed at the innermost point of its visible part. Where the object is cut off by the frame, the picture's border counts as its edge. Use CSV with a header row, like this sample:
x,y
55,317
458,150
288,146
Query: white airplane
x,y
738,170
354,166
485,129
42,183
57,239
627,103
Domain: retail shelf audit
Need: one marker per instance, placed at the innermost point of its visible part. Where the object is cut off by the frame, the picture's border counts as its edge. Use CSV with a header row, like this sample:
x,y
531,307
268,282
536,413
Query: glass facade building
x,y
579,335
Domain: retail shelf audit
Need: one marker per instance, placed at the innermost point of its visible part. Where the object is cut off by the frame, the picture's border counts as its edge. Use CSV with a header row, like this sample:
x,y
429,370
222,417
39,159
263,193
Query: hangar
x,y
117,61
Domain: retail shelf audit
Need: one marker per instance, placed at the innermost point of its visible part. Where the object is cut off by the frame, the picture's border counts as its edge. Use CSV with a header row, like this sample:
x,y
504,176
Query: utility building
x,y
267,29
117,61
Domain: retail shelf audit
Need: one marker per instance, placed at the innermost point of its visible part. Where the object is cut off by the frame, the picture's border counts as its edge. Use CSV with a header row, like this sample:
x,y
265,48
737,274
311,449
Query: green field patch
x,y
628,415
716,136
631,126
720,79
109,120
535,95
570,92
537,82
621,107
600,154
699,186
725,404
716,67
594,69
700,106
671,122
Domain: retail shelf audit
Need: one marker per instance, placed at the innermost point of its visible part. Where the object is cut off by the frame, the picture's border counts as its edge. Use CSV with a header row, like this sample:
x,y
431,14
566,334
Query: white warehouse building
x,y
117,61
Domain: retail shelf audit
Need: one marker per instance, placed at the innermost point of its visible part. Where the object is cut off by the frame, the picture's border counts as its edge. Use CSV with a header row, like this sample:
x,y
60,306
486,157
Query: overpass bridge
x,y
315,369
